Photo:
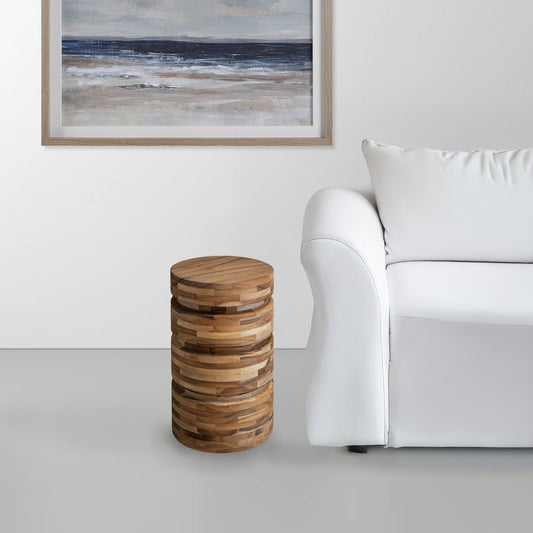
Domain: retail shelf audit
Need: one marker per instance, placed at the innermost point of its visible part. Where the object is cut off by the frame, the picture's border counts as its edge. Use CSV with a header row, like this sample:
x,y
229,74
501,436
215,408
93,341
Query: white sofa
x,y
422,332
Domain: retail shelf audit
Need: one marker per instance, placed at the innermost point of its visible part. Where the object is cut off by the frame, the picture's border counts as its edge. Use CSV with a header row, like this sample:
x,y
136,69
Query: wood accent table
x,y
222,353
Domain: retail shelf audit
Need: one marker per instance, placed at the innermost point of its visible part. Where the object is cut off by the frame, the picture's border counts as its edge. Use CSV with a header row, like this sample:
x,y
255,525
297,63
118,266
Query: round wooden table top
x,y
222,283
222,272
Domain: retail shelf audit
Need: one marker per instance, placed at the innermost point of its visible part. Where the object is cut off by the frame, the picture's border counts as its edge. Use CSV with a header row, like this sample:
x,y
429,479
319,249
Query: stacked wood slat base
x,y
222,353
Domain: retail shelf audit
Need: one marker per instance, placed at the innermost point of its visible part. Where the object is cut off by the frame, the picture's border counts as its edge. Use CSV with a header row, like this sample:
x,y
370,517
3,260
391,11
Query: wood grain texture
x,y
212,330
176,141
222,353
45,72
222,284
224,425
222,375
325,138
327,113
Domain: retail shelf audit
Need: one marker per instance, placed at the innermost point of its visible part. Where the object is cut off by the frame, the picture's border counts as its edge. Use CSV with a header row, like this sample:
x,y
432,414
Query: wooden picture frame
x,y
318,130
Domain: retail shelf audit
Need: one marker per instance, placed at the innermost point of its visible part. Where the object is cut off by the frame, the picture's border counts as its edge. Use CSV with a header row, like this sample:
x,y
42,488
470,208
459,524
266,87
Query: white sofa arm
x,y
343,254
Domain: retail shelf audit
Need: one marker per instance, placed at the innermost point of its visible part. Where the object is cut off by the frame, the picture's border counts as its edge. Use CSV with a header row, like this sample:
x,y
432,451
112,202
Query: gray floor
x,y
85,446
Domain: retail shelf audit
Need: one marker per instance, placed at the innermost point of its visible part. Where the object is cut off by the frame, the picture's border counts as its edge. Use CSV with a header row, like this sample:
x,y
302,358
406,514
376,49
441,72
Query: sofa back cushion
x,y
453,206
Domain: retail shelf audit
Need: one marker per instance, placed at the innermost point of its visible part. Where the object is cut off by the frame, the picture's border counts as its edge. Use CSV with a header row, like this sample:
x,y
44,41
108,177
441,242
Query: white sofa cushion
x,y
482,293
453,206
461,368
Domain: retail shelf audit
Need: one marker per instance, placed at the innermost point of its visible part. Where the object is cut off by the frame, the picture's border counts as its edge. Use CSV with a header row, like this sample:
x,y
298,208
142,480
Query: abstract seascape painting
x,y
184,70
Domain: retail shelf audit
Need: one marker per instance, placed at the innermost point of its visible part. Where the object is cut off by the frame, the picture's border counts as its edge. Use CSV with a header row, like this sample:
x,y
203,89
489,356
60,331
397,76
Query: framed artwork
x,y
186,72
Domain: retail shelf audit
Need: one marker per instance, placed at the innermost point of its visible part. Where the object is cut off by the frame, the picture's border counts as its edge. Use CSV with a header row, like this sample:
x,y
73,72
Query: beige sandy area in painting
x,y
100,92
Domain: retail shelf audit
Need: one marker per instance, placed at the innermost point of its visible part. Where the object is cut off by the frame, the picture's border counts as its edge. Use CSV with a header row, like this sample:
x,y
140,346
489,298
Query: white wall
x,y
87,235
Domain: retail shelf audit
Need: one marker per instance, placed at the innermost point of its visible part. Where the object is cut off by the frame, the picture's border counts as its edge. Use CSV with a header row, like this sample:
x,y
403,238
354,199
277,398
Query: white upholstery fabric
x,y
486,293
461,326
344,257
461,370
453,206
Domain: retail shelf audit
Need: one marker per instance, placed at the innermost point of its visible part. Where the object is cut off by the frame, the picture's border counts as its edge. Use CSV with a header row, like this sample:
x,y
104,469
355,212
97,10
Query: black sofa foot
x,y
357,449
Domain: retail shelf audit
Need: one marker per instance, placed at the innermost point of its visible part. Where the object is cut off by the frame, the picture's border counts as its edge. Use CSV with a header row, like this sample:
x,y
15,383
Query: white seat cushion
x,y
453,206
483,293
461,367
